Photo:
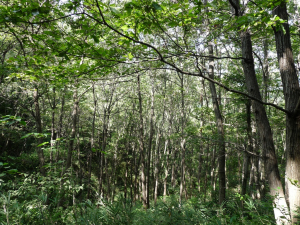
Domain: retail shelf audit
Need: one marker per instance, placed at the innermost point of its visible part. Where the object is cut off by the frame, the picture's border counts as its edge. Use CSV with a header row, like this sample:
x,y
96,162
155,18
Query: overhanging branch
x,y
200,74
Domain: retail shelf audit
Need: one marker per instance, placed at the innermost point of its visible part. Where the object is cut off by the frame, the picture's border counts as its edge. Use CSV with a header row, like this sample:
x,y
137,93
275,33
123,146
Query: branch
x,y
123,35
48,21
200,74
20,42
236,8
224,57
232,90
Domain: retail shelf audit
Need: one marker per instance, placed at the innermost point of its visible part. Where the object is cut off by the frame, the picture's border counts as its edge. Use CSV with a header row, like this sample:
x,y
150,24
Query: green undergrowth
x,y
29,198
38,209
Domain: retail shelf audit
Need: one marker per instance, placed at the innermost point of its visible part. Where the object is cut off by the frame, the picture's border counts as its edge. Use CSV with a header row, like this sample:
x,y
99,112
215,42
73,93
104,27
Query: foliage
x,y
59,55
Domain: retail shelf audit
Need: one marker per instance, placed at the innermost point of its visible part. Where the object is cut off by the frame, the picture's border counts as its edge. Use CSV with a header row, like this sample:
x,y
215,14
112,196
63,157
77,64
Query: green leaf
x,y
23,123
96,39
12,171
35,12
44,143
115,12
26,136
44,10
156,6
62,54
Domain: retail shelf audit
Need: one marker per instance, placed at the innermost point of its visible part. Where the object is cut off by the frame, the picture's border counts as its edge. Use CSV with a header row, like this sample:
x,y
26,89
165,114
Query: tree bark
x,y
90,151
266,137
74,124
156,165
60,122
141,145
292,99
150,143
53,134
271,165
220,127
249,147
39,130
182,142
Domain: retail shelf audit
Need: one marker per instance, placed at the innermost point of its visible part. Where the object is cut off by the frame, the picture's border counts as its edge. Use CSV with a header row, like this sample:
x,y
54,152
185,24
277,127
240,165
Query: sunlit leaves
x,y
9,120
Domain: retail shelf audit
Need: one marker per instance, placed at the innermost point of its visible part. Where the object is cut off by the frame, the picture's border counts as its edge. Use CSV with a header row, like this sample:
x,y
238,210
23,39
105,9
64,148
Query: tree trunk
x,y
212,171
74,124
173,174
156,170
182,142
53,134
266,71
271,165
90,151
220,127
150,144
291,93
39,130
266,137
141,145
60,122
249,147
166,150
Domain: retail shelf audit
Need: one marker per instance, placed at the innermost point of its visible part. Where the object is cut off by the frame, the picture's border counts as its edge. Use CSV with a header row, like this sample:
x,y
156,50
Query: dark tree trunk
x,y
39,130
74,124
90,151
53,134
60,123
266,137
249,147
220,127
292,103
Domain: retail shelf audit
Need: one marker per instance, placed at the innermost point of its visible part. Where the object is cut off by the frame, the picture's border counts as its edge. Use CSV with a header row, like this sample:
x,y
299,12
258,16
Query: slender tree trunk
x,y
53,134
113,172
212,171
150,143
102,158
199,171
74,124
104,163
254,180
206,172
266,70
39,130
60,123
220,127
90,151
291,91
182,141
167,150
166,167
136,173
129,161
249,148
156,170
141,145
107,178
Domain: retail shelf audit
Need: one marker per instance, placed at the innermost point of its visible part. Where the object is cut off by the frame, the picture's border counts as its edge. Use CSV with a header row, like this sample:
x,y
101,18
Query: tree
x,y
114,138
271,165
291,92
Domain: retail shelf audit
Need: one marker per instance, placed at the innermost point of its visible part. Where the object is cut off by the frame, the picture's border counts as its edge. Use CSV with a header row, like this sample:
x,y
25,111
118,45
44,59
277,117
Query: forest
x,y
149,112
